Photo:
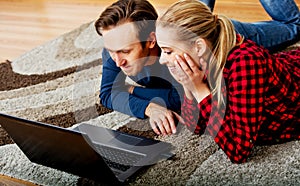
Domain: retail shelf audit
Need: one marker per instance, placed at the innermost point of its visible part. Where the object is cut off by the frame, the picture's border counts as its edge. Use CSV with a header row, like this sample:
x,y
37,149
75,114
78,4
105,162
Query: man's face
x,y
125,48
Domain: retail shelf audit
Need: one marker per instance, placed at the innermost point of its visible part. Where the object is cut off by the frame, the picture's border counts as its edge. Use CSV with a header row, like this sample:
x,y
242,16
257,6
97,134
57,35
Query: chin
x,y
130,73
173,75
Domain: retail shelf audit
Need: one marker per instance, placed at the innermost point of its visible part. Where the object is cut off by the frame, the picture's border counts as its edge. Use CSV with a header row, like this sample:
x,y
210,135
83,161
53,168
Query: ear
x,y
200,47
152,40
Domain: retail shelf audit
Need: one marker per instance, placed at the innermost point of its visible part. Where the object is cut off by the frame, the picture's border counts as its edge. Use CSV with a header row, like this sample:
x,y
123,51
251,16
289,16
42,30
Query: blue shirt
x,y
158,86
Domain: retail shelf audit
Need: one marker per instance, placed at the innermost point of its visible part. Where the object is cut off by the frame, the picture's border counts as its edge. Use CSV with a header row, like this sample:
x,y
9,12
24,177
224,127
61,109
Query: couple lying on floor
x,y
214,75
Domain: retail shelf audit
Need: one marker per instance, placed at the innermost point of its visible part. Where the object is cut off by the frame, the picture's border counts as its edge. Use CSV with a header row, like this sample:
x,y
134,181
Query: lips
x,y
126,69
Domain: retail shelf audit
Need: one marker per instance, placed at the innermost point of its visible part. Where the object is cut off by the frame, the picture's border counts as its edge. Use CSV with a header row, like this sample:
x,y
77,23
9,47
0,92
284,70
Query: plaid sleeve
x,y
192,114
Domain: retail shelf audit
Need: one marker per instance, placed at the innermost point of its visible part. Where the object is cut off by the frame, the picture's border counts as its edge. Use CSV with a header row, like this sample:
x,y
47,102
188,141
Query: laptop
x,y
97,153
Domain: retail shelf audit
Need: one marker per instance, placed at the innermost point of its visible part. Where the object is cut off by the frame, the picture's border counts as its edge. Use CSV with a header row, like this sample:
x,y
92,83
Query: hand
x,y
162,120
191,77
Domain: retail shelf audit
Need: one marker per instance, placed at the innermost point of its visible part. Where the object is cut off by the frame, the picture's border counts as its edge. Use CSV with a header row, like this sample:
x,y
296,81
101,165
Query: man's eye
x,y
125,51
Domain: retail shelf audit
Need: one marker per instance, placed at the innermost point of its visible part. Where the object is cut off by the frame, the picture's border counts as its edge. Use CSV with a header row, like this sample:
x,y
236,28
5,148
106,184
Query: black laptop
x,y
93,152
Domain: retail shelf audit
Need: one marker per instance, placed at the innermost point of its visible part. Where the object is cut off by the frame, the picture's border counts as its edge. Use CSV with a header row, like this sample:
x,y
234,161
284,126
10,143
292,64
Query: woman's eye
x,y
168,52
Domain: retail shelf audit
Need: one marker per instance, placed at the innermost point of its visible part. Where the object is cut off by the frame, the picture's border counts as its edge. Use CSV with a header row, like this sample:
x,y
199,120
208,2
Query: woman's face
x,y
171,46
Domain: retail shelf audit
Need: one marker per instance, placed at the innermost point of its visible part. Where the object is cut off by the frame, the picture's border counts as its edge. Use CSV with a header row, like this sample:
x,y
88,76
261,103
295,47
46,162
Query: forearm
x,y
125,103
166,97
190,114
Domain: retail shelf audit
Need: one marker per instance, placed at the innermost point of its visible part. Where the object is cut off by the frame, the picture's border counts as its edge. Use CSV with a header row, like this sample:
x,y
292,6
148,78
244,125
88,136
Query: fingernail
x,y
174,131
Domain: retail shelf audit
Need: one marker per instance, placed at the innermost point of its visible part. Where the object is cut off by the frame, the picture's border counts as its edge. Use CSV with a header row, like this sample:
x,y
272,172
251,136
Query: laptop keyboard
x,y
118,159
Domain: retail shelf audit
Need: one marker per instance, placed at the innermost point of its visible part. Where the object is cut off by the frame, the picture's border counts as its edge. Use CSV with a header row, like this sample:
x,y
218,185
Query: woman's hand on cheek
x,y
191,77
189,74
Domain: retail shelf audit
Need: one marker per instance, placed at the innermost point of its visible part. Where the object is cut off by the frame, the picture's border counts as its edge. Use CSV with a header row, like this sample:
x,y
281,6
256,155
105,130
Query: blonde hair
x,y
194,19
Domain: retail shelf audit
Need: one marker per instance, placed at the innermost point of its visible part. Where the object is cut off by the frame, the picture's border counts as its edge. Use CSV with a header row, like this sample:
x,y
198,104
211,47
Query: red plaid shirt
x,y
262,102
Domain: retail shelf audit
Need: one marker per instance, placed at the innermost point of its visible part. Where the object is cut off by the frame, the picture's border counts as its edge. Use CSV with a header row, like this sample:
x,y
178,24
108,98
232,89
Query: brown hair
x,y
140,12
194,19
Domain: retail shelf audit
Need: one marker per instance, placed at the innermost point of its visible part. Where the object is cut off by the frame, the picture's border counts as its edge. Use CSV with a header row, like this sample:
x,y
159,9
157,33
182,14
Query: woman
x,y
235,90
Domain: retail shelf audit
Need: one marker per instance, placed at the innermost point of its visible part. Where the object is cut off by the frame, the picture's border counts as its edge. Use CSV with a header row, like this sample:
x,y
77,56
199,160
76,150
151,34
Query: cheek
x,y
172,60
133,57
167,59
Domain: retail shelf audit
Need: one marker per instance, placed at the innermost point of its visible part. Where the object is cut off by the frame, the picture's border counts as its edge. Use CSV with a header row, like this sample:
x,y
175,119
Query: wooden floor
x,y
26,24
9,181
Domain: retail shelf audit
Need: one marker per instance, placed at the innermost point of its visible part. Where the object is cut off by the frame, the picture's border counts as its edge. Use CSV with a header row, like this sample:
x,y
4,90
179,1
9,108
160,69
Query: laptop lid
x,y
76,152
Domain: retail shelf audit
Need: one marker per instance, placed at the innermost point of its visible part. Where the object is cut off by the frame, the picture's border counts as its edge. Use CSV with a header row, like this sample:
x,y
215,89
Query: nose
x,y
163,60
118,59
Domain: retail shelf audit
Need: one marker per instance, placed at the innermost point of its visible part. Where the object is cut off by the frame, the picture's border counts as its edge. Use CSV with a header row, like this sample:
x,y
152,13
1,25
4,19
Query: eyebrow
x,y
119,50
165,47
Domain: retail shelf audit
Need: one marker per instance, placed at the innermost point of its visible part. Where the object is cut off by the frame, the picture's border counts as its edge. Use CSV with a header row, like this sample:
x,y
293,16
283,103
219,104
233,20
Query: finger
x,y
181,75
154,127
161,128
190,62
179,118
172,124
173,128
184,65
166,125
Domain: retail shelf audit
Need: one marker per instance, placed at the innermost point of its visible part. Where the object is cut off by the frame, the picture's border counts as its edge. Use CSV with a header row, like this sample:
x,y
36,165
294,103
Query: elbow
x,y
238,160
239,156
104,100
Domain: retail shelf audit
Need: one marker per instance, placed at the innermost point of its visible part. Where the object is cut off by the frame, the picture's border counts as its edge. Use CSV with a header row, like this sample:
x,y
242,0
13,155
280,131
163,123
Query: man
x,y
131,53
127,27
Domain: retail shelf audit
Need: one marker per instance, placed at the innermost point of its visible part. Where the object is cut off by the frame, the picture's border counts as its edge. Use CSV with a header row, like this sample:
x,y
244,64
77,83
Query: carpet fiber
x,y
58,83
